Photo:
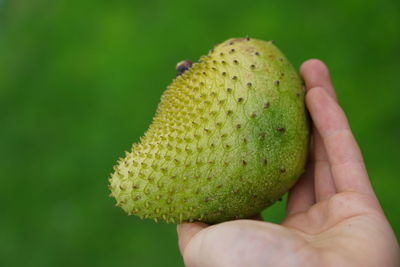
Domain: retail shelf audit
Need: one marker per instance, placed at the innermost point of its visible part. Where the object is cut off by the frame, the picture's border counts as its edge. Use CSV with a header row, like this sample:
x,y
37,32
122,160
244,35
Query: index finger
x,y
315,73
344,156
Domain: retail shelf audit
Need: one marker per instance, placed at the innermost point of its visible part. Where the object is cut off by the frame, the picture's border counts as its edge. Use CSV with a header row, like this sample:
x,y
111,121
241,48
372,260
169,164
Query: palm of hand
x,y
333,217
341,231
344,230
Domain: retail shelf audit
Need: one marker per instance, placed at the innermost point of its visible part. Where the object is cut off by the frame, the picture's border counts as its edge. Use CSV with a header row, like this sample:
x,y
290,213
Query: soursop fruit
x,y
229,138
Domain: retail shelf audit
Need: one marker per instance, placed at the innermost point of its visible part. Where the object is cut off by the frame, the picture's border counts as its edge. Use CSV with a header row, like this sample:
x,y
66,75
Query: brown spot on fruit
x,y
183,66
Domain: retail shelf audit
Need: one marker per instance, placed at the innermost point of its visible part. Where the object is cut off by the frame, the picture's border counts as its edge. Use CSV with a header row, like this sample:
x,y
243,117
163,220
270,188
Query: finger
x,y
315,73
301,196
347,166
241,243
323,180
186,231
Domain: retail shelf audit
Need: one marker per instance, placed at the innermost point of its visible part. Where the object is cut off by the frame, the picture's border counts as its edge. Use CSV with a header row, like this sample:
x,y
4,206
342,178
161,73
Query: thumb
x,y
186,231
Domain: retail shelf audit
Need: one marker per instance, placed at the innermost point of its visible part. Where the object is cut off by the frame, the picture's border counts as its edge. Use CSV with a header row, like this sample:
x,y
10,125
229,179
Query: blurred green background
x,y
80,81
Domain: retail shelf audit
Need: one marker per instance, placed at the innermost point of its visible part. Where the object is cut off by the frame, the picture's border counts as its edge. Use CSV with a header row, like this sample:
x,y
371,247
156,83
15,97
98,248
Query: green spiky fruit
x,y
229,138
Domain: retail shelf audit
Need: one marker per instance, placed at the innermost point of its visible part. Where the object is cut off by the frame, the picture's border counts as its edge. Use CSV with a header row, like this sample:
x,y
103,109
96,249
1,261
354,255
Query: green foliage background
x,y
80,81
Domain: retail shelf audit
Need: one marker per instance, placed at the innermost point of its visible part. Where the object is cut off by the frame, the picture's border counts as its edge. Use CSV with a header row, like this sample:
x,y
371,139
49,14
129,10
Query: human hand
x,y
333,216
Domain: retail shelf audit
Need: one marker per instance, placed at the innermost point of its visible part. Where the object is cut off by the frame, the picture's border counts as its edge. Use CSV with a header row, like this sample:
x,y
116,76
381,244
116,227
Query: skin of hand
x,y
333,216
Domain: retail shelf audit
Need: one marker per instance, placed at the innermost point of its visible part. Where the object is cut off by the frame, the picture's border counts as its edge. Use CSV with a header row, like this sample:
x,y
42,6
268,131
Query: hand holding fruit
x,y
333,216
230,137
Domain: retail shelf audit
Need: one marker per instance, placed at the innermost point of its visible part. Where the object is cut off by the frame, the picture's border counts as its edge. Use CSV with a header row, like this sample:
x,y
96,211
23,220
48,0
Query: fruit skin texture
x,y
229,138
